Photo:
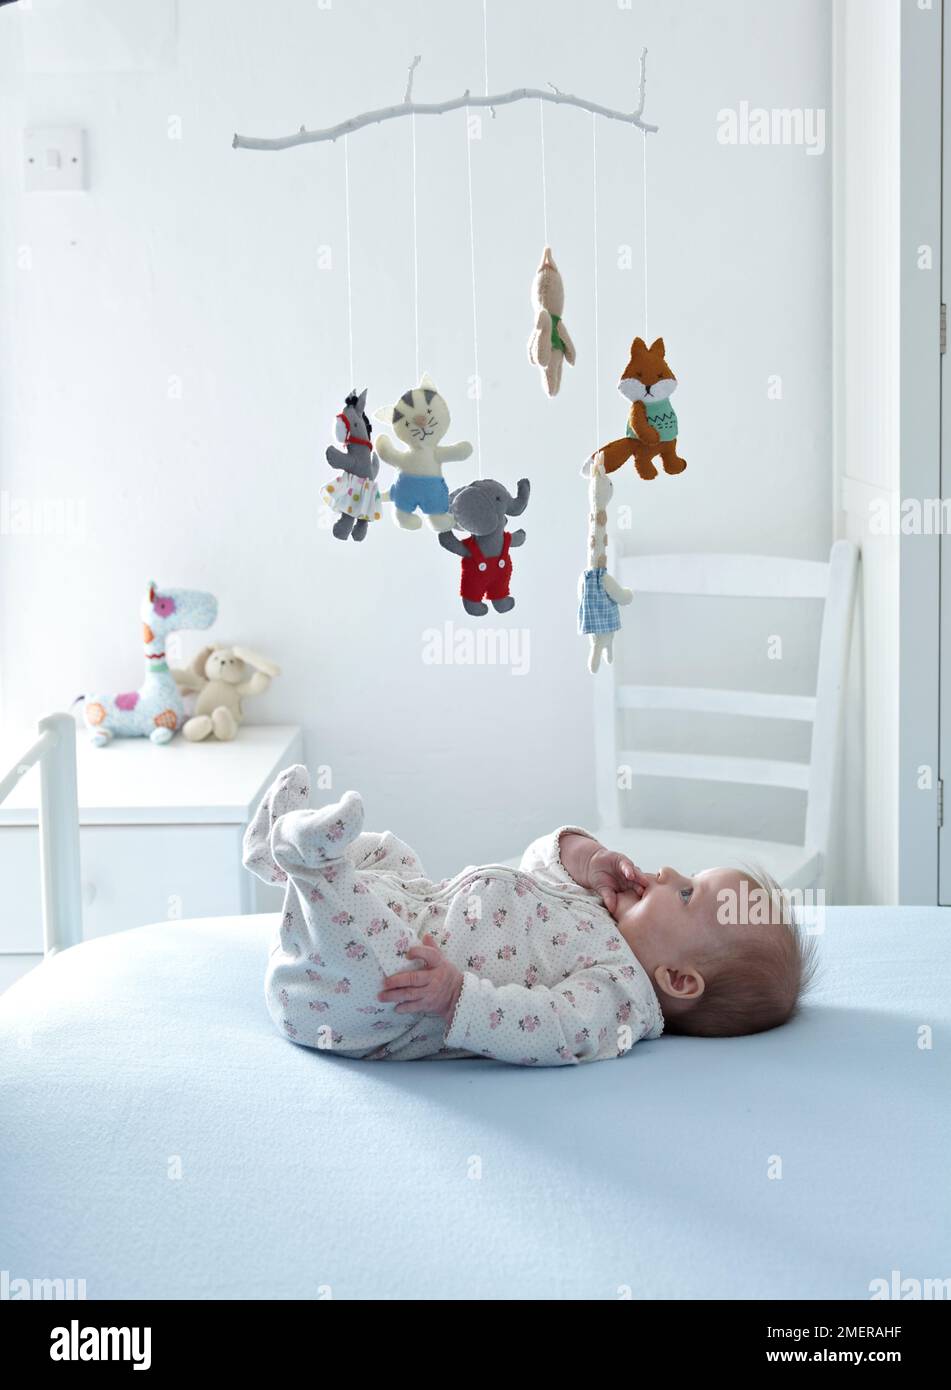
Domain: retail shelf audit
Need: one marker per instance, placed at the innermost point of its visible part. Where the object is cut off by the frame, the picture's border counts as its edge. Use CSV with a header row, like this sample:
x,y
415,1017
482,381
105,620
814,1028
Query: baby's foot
x,y
311,839
288,792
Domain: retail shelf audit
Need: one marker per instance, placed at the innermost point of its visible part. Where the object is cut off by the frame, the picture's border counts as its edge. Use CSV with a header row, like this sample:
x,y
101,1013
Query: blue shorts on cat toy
x,y
430,495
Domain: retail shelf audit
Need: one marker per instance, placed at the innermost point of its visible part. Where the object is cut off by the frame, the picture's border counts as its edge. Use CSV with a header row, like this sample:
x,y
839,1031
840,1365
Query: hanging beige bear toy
x,y
221,678
550,345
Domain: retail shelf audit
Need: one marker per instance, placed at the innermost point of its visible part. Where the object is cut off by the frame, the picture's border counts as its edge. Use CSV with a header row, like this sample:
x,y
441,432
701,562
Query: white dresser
x,y
160,836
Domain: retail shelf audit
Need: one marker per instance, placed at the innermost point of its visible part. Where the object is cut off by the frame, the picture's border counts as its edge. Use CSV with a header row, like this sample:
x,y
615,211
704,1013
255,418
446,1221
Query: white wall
x,y
188,260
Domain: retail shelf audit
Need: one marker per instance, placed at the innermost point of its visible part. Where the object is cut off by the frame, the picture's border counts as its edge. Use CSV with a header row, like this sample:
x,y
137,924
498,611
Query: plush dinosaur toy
x,y
156,709
599,593
648,383
550,345
419,420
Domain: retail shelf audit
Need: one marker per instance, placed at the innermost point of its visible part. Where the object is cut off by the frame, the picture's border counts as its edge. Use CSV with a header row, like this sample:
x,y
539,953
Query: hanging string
x,y
597,357
475,328
541,116
472,261
644,137
415,252
346,178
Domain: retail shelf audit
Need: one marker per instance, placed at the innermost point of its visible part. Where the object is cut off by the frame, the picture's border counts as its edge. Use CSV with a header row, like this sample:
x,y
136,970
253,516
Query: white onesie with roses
x,y
548,980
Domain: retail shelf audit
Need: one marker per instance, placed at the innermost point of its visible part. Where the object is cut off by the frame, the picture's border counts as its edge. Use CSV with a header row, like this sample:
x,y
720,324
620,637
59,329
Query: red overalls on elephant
x,y
486,576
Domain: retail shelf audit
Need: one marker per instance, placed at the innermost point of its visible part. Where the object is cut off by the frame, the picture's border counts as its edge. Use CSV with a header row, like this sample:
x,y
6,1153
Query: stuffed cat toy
x,y
550,345
648,383
420,420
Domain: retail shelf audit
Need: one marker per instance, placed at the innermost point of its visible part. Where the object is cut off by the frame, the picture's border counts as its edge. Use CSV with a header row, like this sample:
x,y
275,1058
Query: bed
x,y
160,1140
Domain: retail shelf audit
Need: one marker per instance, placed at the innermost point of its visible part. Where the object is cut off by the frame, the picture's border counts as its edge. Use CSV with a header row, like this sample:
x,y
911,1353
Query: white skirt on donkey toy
x,y
353,496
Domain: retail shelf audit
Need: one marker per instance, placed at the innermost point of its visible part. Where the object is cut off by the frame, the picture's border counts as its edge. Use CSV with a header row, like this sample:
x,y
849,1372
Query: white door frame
x,y
920,466
944,708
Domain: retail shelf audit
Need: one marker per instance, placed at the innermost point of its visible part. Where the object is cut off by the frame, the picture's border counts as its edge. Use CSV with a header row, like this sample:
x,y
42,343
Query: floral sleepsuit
x,y
548,979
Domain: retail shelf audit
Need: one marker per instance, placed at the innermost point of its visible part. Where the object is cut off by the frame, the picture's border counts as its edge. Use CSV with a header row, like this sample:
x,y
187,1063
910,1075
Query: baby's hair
x,y
762,985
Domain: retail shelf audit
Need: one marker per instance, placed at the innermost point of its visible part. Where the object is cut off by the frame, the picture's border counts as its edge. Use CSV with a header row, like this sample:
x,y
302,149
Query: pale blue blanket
x,y
161,1140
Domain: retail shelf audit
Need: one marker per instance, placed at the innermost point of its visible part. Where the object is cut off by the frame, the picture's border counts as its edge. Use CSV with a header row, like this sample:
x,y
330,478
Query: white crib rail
x,y
55,751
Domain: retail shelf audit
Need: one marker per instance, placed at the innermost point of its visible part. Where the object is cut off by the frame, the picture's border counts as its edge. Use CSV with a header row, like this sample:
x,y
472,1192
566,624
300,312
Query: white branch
x,y
643,83
408,96
438,108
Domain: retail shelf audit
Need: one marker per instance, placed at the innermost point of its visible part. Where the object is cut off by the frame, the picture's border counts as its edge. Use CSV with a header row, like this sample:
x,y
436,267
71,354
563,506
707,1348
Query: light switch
x,y
54,160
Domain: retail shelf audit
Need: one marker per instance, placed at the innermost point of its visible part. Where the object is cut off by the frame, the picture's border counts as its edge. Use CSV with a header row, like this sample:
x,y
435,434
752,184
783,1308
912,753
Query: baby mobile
x,y
420,419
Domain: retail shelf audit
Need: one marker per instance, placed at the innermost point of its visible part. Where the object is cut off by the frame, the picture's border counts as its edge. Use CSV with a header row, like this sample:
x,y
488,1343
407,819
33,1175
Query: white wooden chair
x,y
735,576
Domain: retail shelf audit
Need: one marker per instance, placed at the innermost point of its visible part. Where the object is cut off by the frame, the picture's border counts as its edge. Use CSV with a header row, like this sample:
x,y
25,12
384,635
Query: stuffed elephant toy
x,y
481,509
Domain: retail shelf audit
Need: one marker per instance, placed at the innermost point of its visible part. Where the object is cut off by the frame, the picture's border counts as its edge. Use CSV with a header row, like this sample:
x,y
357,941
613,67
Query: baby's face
x,y
669,920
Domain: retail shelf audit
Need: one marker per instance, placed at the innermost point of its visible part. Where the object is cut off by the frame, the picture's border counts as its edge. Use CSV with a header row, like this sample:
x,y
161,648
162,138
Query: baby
x,y
571,958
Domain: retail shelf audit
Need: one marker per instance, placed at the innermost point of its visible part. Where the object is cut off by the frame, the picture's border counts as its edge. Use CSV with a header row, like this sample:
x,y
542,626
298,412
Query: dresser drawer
x,y
130,874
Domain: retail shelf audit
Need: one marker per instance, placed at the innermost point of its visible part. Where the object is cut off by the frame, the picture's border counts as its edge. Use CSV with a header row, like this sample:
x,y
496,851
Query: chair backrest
x,y
745,577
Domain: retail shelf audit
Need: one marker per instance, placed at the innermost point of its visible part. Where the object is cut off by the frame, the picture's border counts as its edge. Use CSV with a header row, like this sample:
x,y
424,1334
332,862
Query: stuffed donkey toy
x,y
481,508
354,492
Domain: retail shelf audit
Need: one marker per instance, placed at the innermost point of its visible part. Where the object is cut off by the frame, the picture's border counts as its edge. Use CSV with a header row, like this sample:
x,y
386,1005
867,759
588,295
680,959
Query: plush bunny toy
x,y
221,678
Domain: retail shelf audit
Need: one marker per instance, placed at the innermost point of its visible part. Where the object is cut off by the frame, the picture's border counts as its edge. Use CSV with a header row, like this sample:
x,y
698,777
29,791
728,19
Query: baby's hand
x,y
434,990
610,873
603,870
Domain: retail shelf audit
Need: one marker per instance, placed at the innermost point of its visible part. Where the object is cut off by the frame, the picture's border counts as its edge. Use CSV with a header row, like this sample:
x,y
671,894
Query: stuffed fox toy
x,y
648,383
